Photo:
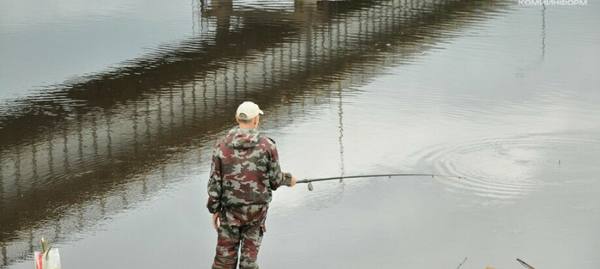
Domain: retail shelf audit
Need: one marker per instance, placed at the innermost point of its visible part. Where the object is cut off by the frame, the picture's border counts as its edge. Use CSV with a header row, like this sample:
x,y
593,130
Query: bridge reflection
x,y
89,149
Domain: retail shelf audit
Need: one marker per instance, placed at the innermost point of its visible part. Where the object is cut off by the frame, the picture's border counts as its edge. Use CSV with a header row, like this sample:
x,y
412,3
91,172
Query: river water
x,y
109,111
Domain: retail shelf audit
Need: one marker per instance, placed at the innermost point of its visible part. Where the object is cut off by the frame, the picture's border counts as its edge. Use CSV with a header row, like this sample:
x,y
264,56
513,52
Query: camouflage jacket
x,y
245,170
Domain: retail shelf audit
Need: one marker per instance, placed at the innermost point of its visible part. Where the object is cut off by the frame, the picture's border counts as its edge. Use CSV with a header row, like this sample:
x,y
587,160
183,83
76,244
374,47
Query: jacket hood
x,y
239,138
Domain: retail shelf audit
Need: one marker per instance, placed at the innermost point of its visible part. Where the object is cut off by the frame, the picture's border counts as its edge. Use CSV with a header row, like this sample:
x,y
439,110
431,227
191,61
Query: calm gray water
x,y
108,112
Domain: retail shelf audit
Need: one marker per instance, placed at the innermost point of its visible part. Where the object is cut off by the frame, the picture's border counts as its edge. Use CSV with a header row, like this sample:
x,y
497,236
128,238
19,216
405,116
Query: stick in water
x,y
461,264
526,265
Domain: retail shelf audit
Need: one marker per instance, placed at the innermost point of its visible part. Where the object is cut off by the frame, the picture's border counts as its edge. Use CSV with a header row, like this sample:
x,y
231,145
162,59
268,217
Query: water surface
x,y
111,162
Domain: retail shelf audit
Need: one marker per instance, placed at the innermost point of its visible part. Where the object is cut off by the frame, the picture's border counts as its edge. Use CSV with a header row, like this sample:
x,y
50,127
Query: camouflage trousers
x,y
232,238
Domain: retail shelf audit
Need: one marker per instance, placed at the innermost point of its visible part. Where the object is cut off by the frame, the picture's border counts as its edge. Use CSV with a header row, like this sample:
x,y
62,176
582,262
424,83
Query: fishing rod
x,y
309,181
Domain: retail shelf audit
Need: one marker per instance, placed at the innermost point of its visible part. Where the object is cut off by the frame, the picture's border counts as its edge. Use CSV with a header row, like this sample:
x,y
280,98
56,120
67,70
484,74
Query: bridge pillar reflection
x,y
293,71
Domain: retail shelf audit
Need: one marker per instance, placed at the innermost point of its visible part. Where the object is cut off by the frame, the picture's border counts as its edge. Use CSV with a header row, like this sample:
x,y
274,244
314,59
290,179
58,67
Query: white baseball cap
x,y
248,110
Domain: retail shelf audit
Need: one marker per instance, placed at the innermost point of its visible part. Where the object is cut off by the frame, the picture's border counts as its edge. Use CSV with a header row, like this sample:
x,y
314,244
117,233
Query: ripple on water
x,y
506,168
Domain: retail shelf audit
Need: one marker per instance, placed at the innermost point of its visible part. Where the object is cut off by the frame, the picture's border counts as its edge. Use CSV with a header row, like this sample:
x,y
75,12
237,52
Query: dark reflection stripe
x,y
170,64
112,158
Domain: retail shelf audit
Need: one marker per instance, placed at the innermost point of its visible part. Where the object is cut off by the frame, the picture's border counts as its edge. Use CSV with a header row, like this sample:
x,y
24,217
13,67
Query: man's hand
x,y
293,181
216,219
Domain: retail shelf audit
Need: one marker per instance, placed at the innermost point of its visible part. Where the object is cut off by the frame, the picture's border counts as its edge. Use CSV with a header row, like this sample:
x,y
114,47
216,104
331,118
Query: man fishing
x,y
245,170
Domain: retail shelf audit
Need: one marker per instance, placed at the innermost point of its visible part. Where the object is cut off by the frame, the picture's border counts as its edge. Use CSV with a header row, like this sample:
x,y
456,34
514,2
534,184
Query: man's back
x,y
245,170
